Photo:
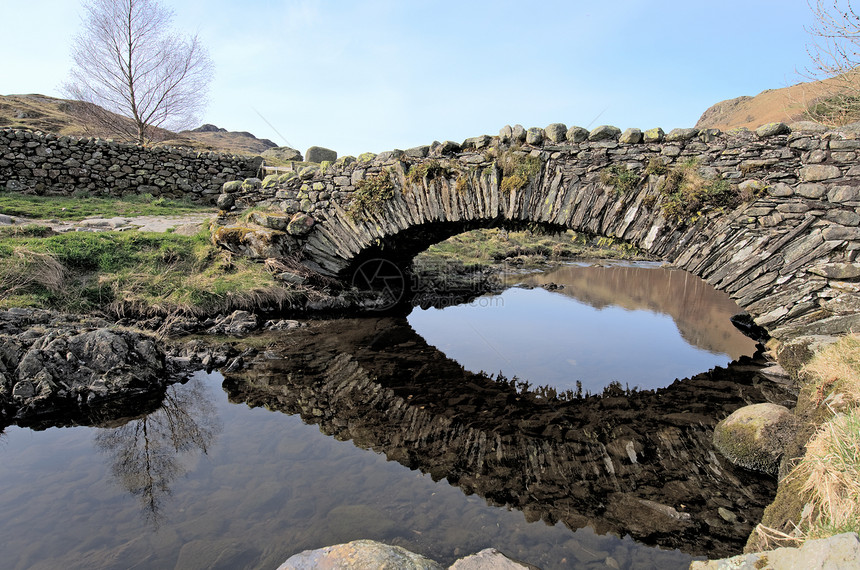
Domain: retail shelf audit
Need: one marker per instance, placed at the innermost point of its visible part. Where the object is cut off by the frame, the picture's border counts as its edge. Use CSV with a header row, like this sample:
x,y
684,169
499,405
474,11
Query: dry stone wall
x,y
52,164
788,252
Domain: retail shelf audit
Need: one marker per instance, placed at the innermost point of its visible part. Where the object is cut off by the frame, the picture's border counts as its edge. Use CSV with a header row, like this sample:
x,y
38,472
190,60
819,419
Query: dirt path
x,y
185,224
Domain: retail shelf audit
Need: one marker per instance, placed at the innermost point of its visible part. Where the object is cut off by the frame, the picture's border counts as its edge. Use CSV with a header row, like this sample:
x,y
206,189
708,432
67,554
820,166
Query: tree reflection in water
x,y
147,453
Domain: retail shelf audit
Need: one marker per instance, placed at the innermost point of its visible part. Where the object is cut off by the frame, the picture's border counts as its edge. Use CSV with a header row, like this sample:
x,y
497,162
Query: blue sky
x,y
382,74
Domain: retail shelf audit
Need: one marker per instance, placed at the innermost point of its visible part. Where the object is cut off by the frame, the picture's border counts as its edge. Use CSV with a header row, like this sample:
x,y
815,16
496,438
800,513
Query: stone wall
x,y
53,164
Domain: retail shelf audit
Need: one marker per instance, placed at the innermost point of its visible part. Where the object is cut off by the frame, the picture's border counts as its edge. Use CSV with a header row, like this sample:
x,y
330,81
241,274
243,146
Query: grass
x,y
77,208
620,178
429,170
823,496
130,273
518,169
688,194
830,476
835,110
484,246
370,193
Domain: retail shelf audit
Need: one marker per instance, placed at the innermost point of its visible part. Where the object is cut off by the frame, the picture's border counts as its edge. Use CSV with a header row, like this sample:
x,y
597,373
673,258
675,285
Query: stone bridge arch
x,y
783,242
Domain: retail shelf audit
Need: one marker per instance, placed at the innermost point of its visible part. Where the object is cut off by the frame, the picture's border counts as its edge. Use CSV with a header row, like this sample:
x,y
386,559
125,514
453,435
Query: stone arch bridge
x,y
771,217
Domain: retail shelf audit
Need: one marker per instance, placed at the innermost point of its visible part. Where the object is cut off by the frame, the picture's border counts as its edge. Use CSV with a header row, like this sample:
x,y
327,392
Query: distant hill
x,y
63,117
785,105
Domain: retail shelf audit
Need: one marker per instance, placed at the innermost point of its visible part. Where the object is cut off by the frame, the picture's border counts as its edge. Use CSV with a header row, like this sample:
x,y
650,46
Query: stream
x,y
565,421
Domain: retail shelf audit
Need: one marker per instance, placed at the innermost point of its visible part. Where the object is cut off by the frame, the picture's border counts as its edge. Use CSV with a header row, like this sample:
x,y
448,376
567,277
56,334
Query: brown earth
x,y
64,117
785,105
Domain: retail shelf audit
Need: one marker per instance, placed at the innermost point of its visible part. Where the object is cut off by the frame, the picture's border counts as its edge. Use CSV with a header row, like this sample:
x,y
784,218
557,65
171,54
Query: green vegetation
x,y
485,246
370,193
80,207
518,169
688,194
129,272
429,170
620,178
821,495
835,110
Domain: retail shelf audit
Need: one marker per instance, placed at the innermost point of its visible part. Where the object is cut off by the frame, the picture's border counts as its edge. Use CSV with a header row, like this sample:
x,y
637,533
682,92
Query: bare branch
x,y
136,74
835,54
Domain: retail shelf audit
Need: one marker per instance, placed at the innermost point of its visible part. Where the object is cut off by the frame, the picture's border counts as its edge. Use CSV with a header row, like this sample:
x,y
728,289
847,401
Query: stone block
x,y
319,154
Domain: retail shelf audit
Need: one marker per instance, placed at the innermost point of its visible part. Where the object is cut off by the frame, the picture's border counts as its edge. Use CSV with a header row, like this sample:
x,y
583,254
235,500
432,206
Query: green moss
x,y
370,193
620,178
518,170
688,195
429,170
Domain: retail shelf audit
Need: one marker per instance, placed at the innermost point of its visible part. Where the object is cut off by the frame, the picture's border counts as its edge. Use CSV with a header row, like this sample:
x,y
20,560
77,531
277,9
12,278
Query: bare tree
x,y
835,55
134,73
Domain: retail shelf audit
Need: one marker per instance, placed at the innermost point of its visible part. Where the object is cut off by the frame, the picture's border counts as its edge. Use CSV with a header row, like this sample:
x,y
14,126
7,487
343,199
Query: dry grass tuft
x,y
830,475
25,268
837,368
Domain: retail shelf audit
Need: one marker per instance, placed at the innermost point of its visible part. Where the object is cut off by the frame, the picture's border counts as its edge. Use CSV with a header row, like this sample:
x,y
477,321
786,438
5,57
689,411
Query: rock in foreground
x,y
372,555
52,363
840,552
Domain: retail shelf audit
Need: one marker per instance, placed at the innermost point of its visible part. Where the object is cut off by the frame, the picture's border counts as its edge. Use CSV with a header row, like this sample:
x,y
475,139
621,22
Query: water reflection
x,y
149,453
700,312
640,464
639,325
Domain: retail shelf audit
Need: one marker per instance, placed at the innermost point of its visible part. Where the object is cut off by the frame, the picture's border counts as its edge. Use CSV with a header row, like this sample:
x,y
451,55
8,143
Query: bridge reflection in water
x,y
640,464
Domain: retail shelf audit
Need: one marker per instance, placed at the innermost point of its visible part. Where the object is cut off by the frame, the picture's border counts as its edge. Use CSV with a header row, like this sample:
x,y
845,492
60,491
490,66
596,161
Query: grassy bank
x,y
123,273
485,246
820,496
79,207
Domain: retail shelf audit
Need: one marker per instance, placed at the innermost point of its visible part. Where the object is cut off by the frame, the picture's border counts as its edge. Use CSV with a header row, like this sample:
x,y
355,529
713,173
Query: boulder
x,y
577,134
300,224
55,364
654,135
319,154
556,132
840,552
754,437
631,136
359,554
488,559
284,153
772,129
534,136
604,133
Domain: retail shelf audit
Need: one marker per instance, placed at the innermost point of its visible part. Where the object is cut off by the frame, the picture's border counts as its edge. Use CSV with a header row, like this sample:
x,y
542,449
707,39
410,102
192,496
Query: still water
x,y
362,429
635,323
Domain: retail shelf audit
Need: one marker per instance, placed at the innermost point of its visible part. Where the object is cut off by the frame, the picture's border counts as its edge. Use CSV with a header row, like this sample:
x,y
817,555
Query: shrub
x,y
688,194
518,169
370,193
620,178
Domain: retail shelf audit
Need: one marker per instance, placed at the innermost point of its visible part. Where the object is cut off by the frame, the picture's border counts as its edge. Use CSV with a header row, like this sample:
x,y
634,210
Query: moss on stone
x,y
370,193
429,170
518,169
620,178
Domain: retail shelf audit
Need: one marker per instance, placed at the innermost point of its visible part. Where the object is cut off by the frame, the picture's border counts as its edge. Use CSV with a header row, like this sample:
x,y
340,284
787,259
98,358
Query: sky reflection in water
x,y
660,324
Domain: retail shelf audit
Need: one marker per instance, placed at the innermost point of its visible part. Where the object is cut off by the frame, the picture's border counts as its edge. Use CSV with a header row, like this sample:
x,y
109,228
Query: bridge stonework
x,y
787,255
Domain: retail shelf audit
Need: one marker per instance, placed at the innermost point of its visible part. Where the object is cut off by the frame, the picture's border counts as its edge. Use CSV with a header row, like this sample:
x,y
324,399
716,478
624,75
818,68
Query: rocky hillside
x,y
785,105
61,116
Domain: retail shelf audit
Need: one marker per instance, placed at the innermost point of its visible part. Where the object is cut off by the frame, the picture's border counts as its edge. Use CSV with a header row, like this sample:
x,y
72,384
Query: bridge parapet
x,y
772,217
